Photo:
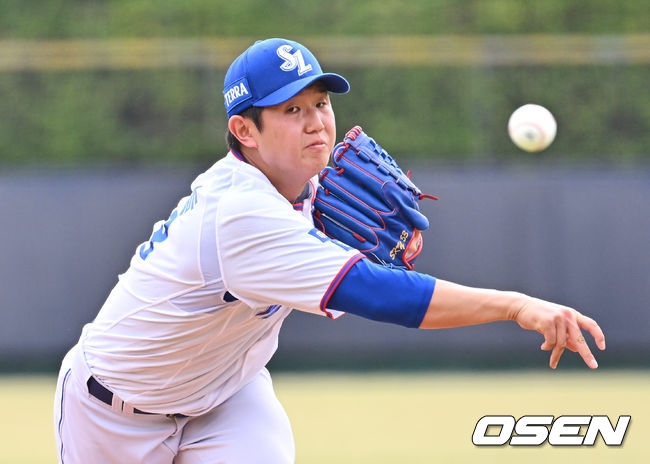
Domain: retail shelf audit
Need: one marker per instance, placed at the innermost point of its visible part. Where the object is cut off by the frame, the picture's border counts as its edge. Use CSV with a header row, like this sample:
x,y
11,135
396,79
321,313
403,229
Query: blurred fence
x,y
346,51
577,236
158,100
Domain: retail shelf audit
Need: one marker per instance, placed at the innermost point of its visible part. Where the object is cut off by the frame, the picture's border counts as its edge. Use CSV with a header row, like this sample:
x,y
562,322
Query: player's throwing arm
x,y
367,202
454,305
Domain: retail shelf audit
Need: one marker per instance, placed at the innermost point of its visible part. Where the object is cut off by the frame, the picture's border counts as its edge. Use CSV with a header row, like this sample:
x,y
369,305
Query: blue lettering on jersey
x,y
270,311
160,235
325,239
191,201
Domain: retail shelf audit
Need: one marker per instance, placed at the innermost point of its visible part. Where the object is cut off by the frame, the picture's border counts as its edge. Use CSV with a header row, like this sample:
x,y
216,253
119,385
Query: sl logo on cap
x,y
292,60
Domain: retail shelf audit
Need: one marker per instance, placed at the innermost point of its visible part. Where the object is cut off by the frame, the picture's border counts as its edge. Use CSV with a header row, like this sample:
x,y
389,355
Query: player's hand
x,y
562,328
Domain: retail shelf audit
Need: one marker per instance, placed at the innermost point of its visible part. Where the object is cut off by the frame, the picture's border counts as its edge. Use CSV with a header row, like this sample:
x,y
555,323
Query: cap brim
x,y
333,83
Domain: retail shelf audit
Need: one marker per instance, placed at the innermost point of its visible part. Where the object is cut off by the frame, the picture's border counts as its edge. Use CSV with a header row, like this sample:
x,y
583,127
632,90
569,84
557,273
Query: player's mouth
x,y
317,145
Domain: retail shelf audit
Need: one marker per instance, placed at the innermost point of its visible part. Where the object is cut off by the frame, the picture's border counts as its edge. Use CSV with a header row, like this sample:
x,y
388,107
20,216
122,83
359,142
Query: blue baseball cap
x,y
272,71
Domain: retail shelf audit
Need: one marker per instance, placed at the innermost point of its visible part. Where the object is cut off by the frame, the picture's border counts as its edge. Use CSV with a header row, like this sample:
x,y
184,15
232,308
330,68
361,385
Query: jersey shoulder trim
x,y
336,281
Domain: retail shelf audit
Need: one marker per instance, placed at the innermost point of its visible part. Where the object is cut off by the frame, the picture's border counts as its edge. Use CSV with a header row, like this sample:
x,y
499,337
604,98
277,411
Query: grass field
x,y
395,418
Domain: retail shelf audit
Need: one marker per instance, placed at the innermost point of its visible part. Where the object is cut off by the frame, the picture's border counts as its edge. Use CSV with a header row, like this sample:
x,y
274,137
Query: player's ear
x,y
244,130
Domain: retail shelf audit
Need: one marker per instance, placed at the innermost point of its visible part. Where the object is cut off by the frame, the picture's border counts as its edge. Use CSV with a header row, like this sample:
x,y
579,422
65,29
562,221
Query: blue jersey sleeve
x,y
383,294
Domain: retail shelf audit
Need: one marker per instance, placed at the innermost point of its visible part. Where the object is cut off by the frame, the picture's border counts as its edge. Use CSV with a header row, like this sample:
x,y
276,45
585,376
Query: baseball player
x,y
172,369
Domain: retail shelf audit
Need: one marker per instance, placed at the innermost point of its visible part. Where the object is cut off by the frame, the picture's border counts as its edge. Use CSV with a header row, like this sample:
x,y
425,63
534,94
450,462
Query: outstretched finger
x,y
583,350
560,344
594,329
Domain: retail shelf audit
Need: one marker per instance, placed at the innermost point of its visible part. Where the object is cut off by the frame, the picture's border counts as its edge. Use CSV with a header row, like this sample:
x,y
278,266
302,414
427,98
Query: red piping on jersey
x,y
312,197
239,156
314,188
335,283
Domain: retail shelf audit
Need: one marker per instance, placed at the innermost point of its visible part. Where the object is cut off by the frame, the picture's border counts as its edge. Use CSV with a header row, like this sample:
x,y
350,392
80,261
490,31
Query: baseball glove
x,y
368,203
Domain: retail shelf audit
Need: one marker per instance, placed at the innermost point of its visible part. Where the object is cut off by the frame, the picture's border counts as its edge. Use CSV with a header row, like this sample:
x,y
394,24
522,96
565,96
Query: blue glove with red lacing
x,y
368,203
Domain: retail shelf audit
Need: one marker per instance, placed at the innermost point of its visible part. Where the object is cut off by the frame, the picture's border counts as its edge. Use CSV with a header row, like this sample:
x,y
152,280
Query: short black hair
x,y
253,113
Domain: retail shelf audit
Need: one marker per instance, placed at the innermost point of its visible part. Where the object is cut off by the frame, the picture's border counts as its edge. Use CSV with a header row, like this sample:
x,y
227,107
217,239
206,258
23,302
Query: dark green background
x,y
448,113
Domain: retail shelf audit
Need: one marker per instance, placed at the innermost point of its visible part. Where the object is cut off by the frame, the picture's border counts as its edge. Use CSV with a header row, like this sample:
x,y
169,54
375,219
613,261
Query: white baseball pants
x,y
250,427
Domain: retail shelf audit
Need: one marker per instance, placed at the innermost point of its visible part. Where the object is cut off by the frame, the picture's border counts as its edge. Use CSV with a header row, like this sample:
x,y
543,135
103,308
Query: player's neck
x,y
287,186
290,192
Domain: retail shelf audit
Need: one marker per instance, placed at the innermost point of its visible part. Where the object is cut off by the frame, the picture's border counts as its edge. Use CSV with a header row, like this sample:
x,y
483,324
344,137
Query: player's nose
x,y
314,120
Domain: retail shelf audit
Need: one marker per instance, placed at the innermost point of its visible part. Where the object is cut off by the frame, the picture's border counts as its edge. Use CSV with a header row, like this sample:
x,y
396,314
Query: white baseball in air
x,y
532,127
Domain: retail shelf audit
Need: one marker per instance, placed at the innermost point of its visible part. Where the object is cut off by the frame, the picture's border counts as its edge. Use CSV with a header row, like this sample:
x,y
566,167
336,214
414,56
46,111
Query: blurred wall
x,y
95,94
577,236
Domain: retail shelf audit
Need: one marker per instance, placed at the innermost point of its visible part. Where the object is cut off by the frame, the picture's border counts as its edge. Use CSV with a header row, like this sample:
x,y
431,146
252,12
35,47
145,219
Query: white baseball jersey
x,y
197,314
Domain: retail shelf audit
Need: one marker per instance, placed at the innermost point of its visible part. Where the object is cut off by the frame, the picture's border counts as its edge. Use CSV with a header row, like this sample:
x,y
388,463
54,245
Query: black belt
x,y
104,395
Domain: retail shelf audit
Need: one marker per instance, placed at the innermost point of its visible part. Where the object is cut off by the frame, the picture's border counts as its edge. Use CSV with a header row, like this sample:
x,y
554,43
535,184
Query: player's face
x,y
296,139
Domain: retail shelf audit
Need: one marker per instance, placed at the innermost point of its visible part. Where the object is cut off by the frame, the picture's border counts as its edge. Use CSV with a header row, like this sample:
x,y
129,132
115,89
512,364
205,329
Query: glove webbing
x,y
369,150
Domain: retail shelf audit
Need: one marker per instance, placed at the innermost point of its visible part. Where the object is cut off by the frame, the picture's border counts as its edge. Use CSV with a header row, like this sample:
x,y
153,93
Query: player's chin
x,y
318,157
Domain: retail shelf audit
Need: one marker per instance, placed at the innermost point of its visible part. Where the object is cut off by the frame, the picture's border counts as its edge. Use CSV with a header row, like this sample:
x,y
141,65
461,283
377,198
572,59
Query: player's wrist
x,y
514,304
